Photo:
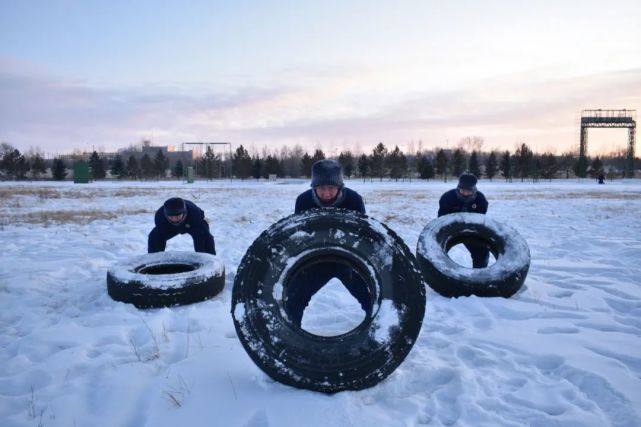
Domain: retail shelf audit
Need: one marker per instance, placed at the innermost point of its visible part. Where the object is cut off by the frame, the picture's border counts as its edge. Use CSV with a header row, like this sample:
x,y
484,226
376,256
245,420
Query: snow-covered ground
x,y
565,350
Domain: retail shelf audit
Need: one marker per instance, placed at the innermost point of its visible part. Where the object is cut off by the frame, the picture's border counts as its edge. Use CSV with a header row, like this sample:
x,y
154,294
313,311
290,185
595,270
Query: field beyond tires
x,y
563,351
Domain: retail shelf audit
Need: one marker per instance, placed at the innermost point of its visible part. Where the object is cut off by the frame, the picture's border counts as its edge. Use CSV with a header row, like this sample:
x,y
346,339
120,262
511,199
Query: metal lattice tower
x,y
610,119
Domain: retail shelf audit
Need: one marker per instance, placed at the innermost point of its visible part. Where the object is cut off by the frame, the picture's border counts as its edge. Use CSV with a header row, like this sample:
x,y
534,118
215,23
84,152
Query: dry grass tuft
x,y
71,217
570,195
41,193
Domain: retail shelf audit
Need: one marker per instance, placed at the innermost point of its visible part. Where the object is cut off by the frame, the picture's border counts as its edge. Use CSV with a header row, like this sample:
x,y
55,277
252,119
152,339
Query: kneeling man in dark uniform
x,y
466,198
327,191
178,216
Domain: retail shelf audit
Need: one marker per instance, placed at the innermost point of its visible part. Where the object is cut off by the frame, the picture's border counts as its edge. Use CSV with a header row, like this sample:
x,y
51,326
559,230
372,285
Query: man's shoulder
x,y
449,194
304,194
351,193
190,204
304,201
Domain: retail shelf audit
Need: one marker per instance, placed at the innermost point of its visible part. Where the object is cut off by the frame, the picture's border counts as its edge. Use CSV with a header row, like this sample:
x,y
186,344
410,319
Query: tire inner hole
x,y
172,268
334,294
462,250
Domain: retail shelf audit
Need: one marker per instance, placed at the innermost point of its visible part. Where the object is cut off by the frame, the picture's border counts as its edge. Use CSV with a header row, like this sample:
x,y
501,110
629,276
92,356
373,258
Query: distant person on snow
x,y
328,191
466,198
601,178
178,216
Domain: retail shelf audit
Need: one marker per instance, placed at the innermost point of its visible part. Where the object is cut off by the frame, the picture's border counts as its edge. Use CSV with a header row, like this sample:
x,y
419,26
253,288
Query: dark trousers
x,y
203,240
309,281
480,254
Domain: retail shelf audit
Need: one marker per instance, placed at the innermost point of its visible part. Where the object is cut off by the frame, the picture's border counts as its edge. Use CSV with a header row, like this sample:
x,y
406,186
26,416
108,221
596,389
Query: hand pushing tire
x,y
165,279
503,278
357,359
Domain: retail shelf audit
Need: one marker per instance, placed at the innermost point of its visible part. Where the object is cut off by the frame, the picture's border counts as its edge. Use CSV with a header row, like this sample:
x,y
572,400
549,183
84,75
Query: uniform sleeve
x,y
360,205
158,219
297,207
442,209
483,204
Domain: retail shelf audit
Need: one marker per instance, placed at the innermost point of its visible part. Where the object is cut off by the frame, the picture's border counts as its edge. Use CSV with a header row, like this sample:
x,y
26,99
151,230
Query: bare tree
x,y
471,143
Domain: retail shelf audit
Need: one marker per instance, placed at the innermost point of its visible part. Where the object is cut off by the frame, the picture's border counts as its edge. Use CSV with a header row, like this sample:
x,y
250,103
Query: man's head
x,y
327,179
466,187
175,210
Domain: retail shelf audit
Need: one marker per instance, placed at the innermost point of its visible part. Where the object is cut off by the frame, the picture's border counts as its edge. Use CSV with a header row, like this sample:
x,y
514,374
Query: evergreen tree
x,y
377,161
306,165
441,164
475,168
490,166
97,165
596,167
506,166
581,167
13,163
117,167
548,166
132,170
272,166
396,164
58,169
524,158
566,163
425,168
536,168
178,171
160,164
458,162
257,165
318,155
347,161
242,163
208,166
363,166
38,166
146,167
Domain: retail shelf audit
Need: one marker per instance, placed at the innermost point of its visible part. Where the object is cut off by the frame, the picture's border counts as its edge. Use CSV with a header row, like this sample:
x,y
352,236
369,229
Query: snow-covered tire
x,y
165,279
354,360
503,278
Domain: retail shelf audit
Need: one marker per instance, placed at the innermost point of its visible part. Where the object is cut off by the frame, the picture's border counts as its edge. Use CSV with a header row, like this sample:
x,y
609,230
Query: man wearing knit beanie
x,y
178,216
328,191
466,198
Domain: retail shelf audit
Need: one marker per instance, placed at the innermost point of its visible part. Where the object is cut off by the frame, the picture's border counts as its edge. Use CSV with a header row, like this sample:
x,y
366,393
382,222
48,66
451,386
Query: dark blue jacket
x,y
350,199
194,224
450,203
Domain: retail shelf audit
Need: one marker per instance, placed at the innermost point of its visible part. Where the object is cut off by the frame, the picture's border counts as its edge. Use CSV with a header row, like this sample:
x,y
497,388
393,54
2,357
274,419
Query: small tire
x,y
503,278
165,279
357,359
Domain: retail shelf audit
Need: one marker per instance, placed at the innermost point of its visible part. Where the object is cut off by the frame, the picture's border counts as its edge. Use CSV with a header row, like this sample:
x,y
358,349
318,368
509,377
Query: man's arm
x,y
442,208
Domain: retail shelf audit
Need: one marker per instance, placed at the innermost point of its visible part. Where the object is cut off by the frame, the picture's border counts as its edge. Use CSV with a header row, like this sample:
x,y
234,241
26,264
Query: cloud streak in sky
x,y
339,108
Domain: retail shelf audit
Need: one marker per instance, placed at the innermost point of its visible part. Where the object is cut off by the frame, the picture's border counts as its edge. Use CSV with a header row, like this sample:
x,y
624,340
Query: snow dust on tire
x,y
165,279
503,278
357,359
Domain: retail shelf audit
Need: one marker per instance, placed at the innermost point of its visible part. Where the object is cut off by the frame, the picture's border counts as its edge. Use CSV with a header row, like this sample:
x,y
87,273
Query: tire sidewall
x,y
126,284
356,359
503,278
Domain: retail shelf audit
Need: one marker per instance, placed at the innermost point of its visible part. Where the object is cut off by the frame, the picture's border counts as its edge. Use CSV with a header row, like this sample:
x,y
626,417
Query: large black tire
x,y
357,359
165,279
503,278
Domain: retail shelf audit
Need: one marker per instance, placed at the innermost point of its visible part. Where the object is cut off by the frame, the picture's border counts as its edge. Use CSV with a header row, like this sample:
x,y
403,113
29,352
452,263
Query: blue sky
x,y
331,74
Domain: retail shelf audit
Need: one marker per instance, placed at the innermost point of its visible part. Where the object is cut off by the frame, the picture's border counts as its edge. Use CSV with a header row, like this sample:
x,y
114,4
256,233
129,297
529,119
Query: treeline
x,y
381,163
384,163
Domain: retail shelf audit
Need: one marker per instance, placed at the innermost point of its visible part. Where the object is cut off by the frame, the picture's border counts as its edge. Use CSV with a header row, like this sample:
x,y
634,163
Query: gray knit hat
x,y
327,172
467,181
